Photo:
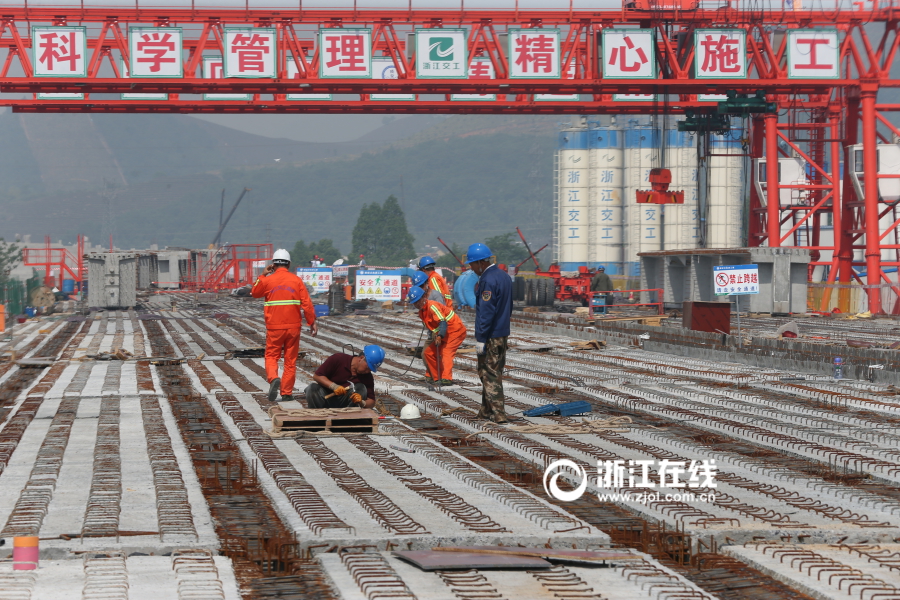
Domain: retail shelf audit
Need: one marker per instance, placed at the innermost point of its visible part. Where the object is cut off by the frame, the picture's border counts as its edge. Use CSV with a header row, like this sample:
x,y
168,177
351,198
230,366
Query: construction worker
x,y
285,296
420,280
345,379
601,282
493,309
435,280
448,333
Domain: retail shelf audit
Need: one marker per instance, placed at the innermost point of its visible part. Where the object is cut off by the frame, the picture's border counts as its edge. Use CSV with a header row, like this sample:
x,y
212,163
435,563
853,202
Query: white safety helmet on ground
x,y
410,411
281,256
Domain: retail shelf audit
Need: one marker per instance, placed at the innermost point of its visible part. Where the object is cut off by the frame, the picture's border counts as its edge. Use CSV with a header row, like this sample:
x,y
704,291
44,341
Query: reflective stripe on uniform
x,y
282,302
440,315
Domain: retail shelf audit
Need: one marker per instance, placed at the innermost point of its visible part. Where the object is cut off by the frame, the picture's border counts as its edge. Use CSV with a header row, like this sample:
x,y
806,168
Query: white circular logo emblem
x,y
552,488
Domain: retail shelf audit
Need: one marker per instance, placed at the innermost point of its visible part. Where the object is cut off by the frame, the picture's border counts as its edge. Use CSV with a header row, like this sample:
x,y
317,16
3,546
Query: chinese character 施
x,y
347,52
535,52
721,55
59,47
250,50
620,53
154,47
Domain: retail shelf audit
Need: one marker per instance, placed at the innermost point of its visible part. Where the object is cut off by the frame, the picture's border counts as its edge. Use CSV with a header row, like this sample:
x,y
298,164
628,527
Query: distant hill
x,y
463,188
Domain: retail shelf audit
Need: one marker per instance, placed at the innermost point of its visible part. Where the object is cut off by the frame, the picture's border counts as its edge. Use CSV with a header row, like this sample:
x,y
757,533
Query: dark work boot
x,y
274,388
286,398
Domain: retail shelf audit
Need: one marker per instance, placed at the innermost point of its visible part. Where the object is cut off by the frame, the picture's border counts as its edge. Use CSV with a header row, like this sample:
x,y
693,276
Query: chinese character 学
x,y
58,47
250,50
154,47
620,53
721,55
348,51
535,52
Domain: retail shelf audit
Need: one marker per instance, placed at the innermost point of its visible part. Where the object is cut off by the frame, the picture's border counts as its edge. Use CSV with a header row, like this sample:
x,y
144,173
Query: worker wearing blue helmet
x,y
420,280
493,309
345,380
435,280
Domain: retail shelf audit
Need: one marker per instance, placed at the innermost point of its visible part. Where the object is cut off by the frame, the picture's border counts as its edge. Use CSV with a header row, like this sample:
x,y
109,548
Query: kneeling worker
x,y
448,334
347,379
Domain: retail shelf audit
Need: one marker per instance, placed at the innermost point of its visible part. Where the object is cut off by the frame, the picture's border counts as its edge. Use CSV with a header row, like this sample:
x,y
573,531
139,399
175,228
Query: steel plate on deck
x,y
429,560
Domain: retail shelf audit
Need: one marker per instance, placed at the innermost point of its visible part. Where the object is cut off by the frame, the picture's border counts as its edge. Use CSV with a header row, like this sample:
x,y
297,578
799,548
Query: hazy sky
x,y
303,128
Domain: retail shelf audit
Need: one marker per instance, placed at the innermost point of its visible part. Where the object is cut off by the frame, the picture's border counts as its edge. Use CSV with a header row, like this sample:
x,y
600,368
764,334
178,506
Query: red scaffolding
x,y
820,119
229,267
57,262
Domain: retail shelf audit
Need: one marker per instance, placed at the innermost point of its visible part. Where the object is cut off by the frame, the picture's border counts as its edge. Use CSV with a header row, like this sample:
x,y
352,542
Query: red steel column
x,y
773,196
870,169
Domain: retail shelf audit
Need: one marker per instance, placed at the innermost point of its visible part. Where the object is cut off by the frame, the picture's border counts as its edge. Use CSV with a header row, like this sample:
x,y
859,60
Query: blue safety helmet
x,y
419,278
374,356
477,252
414,295
425,261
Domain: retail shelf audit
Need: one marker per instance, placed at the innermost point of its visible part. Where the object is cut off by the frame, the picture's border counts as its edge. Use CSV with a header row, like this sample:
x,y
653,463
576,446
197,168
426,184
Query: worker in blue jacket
x,y
493,309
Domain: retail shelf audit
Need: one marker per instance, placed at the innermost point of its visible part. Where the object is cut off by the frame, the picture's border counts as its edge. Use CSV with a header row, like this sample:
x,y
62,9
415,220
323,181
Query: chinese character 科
x,y
720,55
620,53
62,50
250,51
574,215
537,51
672,468
573,177
813,59
606,176
613,474
155,46
348,51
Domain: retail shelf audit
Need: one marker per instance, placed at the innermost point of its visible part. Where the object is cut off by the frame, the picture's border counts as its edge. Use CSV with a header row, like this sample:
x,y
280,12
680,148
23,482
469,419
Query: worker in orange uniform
x,y
285,295
435,280
448,332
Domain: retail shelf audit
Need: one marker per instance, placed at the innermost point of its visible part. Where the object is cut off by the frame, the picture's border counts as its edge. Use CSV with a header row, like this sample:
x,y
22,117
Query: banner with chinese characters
x,y
813,54
345,53
384,68
720,53
378,285
59,51
155,52
629,54
213,69
441,53
534,53
479,68
250,52
294,73
736,280
318,278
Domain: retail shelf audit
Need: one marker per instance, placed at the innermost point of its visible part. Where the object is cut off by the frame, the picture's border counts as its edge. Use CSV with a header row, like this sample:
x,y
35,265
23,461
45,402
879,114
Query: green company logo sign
x,y
440,49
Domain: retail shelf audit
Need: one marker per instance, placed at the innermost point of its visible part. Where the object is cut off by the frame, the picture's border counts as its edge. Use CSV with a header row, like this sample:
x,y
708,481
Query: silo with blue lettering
x,y
726,175
606,235
572,212
681,228
643,222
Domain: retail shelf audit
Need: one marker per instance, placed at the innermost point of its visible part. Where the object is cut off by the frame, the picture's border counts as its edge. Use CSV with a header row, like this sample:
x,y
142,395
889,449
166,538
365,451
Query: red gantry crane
x,y
819,67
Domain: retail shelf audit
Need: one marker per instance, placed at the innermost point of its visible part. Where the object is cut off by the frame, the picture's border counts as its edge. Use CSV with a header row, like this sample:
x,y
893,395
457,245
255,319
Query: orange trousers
x,y
282,342
448,353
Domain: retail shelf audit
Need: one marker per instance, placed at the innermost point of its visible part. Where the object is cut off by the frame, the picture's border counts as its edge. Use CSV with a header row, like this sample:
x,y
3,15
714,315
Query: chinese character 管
x,y
250,51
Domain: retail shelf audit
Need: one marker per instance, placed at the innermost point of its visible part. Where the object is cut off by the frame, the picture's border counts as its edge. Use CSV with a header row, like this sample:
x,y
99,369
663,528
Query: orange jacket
x,y
437,282
285,295
433,314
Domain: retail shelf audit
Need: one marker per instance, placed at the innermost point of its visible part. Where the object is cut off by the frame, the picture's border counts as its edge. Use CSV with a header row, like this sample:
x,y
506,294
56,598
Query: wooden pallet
x,y
362,420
